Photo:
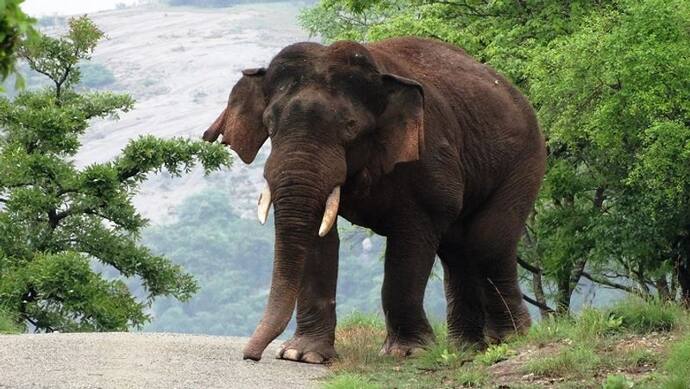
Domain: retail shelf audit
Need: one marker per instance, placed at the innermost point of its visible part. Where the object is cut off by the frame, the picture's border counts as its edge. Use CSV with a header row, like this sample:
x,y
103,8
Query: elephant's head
x,y
331,114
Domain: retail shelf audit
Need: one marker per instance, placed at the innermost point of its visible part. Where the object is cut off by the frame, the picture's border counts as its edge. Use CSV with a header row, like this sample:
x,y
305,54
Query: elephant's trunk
x,y
299,193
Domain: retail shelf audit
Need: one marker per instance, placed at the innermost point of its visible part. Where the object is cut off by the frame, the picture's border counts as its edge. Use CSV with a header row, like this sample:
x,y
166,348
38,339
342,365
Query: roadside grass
x,y
7,325
633,344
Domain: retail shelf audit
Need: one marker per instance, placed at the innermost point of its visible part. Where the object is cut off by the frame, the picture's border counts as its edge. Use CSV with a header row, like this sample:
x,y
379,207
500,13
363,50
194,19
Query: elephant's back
x,y
428,60
467,104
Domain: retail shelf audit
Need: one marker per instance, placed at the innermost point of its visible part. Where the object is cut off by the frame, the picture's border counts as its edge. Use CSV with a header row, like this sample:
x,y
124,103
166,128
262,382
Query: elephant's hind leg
x,y
491,240
314,337
409,259
465,312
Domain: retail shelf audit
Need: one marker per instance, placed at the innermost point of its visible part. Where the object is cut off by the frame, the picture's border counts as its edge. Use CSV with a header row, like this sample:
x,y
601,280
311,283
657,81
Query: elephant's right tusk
x,y
331,212
264,204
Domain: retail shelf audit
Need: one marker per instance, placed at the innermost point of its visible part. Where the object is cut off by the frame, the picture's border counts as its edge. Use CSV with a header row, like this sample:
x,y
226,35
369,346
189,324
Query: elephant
x,y
411,138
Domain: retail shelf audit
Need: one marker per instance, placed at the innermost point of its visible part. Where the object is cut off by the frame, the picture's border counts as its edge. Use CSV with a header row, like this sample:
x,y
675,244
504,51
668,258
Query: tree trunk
x,y
538,289
563,297
662,288
683,266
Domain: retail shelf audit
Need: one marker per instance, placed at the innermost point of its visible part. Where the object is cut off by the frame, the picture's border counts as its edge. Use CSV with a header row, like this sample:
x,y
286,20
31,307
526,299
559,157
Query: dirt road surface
x,y
144,360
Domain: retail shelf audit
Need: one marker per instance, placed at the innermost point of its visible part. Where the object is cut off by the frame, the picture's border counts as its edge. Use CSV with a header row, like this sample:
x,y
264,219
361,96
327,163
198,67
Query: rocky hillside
x,y
179,64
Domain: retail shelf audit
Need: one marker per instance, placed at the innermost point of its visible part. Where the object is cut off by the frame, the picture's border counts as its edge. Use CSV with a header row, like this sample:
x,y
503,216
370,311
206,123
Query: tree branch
x,y
609,283
542,307
525,265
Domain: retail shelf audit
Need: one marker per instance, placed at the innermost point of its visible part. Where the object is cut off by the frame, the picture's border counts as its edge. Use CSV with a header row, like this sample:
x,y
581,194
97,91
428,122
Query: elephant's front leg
x,y
314,337
409,259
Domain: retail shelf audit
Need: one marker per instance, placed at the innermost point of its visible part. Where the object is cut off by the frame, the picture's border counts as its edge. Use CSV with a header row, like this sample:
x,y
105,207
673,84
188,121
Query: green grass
x,y
643,317
678,365
606,348
577,361
349,381
494,354
471,377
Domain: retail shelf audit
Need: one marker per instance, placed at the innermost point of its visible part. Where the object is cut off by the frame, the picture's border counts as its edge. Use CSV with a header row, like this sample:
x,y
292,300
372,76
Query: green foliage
x,y
8,324
57,58
14,26
647,316
57,222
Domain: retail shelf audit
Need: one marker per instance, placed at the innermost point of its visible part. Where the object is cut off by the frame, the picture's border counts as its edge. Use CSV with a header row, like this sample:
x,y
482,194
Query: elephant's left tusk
x,y
264,204
331,212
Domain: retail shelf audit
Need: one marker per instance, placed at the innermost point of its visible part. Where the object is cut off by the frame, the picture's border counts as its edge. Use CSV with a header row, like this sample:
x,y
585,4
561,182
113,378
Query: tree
x,y
58,222
14,24
609,80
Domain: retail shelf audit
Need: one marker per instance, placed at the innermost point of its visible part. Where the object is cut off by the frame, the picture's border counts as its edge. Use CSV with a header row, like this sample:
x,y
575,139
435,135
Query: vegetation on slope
x,y
635,343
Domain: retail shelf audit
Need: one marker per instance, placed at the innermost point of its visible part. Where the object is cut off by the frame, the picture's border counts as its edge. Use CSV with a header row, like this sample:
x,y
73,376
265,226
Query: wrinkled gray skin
x,y
430,149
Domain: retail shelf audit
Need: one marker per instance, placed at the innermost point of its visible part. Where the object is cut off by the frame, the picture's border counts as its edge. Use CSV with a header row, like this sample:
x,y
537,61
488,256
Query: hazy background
x,y
39,8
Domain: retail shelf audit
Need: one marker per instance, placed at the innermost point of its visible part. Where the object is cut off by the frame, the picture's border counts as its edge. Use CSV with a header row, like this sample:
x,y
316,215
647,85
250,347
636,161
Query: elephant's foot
x,y
499,330
399,348
307,349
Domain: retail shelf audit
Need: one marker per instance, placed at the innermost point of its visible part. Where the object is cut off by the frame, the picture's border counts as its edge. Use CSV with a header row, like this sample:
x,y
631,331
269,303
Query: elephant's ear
x,y
401,125
241,123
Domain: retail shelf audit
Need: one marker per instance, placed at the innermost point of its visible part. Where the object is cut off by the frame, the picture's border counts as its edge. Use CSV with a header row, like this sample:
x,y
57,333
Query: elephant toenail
x,y
312,357
291,354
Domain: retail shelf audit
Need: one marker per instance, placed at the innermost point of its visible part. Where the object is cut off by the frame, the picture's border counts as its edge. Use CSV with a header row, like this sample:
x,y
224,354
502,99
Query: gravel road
x,y
144,360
